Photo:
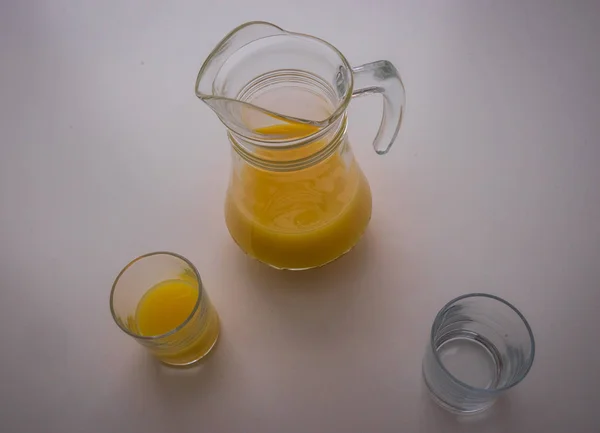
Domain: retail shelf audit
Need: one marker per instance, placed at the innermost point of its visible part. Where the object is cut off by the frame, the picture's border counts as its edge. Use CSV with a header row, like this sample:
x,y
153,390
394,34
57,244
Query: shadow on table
x,y
182,387
320,308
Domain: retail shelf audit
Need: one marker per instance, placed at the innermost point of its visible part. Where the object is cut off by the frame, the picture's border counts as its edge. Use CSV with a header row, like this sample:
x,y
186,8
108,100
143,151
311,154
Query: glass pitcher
x,y
297,198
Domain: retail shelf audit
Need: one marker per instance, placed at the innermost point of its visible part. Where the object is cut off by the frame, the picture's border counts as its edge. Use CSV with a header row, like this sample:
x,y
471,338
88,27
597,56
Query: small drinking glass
x,y
480,346
159,300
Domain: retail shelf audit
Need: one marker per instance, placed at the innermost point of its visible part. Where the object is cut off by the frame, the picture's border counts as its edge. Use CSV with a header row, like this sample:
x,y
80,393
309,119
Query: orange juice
x,y
298,219
165,307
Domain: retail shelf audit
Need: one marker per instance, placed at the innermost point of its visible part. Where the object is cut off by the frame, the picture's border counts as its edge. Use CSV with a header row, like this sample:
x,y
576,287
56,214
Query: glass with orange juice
x,y
297,198
159,300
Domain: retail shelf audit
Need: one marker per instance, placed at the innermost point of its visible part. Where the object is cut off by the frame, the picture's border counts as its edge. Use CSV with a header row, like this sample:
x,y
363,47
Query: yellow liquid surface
x,y
299,219
166,306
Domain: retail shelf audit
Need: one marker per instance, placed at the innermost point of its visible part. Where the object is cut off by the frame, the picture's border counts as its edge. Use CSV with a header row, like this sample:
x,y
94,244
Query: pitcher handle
x,y
382,77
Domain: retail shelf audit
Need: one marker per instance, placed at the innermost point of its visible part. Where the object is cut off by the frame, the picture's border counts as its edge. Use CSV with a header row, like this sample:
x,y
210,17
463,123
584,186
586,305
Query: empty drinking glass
x,y
480,346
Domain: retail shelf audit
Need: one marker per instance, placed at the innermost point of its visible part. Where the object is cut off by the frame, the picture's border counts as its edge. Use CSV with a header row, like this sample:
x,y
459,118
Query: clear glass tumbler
x,y
159,300
480,346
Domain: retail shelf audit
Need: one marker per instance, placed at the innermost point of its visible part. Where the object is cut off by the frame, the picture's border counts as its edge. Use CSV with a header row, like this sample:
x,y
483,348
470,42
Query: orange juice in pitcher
x,y
300,218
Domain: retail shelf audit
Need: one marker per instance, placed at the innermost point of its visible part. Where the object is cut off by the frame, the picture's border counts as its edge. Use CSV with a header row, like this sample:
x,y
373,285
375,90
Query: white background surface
x,y
493,185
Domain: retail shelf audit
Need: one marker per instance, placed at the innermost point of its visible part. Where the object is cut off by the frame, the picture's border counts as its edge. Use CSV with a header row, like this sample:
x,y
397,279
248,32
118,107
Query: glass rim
x,y
178,327
454,378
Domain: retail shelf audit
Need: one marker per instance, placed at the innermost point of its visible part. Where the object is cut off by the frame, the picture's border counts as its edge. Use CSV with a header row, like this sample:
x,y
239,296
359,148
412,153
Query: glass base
x,y
454,409
312,267
196,361
471,359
